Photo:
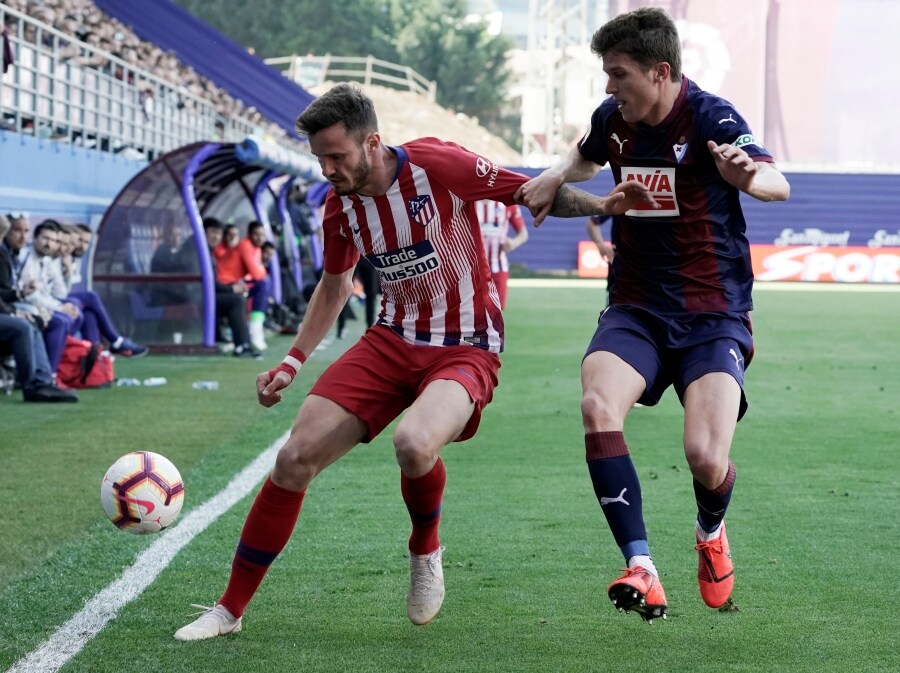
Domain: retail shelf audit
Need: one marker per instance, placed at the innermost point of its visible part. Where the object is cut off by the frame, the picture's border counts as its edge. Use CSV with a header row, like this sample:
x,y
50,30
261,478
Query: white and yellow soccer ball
x,y
142,492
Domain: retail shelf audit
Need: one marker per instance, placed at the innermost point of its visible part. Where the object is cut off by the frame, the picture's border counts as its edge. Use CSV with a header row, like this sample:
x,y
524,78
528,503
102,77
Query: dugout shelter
x,y
151,265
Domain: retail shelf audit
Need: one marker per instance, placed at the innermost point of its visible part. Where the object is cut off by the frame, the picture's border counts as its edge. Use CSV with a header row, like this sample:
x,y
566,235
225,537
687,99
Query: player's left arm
x,y
760,179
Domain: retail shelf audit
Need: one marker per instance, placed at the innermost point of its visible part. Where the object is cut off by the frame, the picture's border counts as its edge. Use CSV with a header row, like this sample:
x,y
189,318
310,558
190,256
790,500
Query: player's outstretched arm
x,y
571,201
326,303
759,179
538,194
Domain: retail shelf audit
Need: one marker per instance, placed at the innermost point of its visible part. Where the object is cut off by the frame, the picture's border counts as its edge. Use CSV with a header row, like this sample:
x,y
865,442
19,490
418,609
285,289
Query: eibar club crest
x,y
421,209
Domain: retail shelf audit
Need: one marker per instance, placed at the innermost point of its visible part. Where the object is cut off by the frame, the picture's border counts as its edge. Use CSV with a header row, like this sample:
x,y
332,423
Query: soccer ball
x,y
142,492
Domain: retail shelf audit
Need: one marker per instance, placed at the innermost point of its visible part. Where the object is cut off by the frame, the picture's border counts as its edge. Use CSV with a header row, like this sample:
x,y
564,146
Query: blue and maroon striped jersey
x,y
692,254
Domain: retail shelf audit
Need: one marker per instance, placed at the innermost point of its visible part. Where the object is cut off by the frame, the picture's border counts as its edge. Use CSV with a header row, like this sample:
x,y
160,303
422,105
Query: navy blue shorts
x,y
670,351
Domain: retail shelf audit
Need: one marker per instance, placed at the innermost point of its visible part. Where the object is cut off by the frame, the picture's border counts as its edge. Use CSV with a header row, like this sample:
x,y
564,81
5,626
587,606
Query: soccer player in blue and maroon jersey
x,y
432,353
680,288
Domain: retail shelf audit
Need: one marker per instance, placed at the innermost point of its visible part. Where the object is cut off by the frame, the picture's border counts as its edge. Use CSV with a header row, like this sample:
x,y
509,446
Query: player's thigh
x,y
609,388
437,417
371,380
323,432
711,406
457,383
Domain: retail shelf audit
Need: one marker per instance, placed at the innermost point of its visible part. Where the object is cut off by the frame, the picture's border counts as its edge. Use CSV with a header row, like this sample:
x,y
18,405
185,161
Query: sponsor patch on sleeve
x,y
746,139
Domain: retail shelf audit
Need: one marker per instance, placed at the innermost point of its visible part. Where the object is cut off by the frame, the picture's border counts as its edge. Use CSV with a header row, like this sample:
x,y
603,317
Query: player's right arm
x,y
329,297
539,193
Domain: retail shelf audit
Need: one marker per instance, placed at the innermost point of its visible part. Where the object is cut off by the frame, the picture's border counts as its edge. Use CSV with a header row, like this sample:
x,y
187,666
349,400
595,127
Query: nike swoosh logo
x,y
146,504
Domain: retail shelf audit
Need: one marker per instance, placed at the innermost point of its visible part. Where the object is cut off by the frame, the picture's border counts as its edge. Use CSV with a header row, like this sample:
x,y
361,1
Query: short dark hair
x,y
212,223
266,245
46,225
344,103
85,228
648,35
254,225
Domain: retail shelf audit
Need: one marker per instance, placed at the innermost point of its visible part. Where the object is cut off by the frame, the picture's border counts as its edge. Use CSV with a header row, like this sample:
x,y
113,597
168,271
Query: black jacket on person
x,y
8,291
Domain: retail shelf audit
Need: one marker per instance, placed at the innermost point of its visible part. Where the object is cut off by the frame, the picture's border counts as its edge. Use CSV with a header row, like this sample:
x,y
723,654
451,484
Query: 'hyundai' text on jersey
x,y
423,238
692,254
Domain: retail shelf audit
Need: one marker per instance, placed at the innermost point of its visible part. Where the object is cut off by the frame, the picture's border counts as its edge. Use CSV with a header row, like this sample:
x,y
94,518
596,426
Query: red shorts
x,y
382,375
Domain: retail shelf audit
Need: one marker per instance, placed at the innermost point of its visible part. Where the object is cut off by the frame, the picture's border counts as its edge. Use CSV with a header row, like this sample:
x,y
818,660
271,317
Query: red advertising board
x,y
590,263
830,264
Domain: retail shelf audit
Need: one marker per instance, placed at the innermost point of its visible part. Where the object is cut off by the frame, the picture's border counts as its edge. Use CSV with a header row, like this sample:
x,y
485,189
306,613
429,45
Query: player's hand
x,y
607,252
628,195
269,384
734,164
538,195
509,244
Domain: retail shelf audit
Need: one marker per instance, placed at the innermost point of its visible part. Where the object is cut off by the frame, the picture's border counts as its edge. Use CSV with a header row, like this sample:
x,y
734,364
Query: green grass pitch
x,y
814,523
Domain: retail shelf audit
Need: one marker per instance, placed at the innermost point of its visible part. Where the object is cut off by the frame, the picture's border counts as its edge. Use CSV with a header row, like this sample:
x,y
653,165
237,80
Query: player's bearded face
x,y
343,157
359,175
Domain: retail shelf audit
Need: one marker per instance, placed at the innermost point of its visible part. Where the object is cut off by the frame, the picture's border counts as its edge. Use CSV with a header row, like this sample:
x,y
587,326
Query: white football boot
x,y
214,621
426,586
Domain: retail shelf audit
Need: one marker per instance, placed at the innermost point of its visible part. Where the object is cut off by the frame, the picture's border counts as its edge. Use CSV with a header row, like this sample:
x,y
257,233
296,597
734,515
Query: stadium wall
x,y
47,178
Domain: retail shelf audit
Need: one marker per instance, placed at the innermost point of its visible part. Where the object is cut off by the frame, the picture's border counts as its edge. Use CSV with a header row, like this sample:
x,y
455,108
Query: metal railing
x,y
59,87
310,71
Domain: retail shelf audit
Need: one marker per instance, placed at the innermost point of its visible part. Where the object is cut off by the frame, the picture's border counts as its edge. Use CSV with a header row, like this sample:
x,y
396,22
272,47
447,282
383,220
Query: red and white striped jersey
x,y
423,238
496,219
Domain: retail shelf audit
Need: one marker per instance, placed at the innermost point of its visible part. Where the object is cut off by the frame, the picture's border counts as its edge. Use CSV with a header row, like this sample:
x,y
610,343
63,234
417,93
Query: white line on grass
x,y
72,636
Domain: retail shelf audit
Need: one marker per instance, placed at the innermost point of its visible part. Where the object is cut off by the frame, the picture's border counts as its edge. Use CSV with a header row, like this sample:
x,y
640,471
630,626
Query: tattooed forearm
x,y
571,201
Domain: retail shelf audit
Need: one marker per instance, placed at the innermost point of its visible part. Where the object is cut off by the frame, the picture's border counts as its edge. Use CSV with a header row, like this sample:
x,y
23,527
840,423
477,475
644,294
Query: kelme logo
x,y
746,139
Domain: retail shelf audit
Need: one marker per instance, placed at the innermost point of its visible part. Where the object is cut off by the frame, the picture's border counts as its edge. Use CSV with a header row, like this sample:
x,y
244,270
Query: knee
x,y
708,462
415,454
598,413
294,467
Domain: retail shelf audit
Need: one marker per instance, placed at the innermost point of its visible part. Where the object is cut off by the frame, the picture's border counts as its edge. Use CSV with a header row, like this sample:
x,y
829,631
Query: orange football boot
x,y
639,590
715,571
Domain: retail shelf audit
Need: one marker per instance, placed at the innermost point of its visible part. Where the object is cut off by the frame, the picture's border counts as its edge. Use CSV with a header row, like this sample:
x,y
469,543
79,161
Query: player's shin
x,y
423,497
711,504
618,490
268,528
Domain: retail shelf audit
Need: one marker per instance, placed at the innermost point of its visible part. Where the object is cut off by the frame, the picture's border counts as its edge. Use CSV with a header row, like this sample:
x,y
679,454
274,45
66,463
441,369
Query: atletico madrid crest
x,y
421,209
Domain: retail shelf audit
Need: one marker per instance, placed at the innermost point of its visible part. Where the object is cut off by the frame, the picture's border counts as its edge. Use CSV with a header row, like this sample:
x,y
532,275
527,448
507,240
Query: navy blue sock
x,y
711,505
618,490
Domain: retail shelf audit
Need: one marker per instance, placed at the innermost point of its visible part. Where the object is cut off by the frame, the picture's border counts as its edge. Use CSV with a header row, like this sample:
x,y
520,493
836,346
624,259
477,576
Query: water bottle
x,y
155,381
205,385
127,383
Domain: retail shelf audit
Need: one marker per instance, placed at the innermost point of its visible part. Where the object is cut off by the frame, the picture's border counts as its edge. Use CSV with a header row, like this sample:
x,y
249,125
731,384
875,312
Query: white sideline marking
x,y
798,286
72,636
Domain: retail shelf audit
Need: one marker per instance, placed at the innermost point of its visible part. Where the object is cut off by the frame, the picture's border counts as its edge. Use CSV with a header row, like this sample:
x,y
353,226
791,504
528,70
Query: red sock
x,y
423,498
266,531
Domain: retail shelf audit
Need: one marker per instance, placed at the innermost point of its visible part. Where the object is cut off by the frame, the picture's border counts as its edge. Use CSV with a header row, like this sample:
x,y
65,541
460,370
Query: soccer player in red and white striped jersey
x,y
496,220
432,353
